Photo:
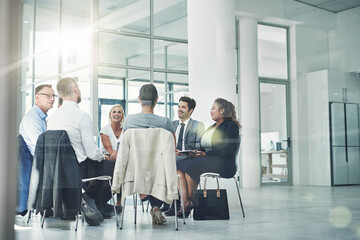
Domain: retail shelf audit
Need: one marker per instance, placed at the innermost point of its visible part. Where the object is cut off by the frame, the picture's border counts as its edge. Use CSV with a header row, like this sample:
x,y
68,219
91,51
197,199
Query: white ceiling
x,y
334,6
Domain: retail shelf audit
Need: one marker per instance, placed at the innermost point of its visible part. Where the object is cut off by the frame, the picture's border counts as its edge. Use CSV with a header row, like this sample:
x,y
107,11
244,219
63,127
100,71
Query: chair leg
x,y
122,214
238,191
113,200
29,216
135,208
176,218
77,222
43,218
182,200
134,197
142,206
147,208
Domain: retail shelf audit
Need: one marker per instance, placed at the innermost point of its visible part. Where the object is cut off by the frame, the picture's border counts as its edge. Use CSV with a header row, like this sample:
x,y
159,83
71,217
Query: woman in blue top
x,y
219,146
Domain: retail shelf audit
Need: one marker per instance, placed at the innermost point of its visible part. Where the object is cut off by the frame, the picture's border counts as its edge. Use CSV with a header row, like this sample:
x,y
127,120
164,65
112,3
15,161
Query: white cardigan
x,y
146,164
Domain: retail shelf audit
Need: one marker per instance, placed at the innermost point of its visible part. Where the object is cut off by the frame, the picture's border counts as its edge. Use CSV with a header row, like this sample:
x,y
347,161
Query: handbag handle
x,y
217,189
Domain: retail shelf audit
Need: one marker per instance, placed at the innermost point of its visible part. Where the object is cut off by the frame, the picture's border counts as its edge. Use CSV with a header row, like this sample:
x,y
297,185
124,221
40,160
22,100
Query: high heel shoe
x,y
187,211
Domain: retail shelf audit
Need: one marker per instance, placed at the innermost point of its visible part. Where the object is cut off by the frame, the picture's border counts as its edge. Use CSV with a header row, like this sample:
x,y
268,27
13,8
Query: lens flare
x,y
340,217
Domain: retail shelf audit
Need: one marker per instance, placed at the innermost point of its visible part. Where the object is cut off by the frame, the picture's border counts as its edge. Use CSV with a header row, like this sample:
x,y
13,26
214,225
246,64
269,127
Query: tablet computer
x,y
187,152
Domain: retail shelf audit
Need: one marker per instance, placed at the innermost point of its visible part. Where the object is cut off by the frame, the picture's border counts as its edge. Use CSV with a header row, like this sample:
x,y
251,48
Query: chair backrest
x,y
146,163
55,177
238,153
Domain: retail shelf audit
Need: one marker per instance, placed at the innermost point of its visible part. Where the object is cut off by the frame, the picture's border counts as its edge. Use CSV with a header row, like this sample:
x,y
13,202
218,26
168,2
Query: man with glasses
x,y
34,122
32,125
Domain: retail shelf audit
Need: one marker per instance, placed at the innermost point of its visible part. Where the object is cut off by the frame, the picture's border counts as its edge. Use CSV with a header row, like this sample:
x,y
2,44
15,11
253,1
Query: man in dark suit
x,y
188,133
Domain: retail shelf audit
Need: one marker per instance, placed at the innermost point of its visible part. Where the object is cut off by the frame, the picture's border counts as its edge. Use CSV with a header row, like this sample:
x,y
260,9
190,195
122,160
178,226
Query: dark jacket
x,y
55,177
24,172
193,133
225,145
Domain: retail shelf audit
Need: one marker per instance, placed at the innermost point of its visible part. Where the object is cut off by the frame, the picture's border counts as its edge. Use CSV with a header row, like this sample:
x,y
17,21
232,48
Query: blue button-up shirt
x,y
32,125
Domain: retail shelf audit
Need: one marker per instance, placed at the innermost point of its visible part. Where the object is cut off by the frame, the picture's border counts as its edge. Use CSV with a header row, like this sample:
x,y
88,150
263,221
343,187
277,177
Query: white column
x,y
212,65
9,78
212,68
249,103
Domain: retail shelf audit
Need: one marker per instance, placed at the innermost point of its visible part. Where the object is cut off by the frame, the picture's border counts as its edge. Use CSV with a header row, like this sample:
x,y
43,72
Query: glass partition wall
x,y
110,47
274,104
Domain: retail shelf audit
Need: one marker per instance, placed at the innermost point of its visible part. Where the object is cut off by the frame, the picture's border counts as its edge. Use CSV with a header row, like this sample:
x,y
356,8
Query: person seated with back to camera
x,y
148,97
110,136
217,154
91,161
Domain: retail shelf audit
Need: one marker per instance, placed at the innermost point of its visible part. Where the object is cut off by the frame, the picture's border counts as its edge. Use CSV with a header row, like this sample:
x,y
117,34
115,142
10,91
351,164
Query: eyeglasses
x,y
48,95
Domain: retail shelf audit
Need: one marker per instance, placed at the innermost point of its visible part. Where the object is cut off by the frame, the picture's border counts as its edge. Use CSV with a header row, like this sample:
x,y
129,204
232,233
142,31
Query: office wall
x,y
344,42
311,54
318,128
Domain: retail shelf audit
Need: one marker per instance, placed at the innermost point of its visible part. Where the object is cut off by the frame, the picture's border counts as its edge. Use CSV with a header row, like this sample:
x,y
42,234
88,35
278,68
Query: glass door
x,y
275,138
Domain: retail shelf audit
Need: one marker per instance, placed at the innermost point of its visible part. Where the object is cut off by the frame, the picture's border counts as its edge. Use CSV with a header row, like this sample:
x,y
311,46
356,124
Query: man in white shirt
x,y
92,161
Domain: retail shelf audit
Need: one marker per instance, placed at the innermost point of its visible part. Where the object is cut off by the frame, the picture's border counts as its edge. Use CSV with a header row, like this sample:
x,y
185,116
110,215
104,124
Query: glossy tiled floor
x,y
271,213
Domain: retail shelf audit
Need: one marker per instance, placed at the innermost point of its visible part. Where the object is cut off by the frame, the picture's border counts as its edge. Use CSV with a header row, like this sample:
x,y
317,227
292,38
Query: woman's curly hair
x,y
229,110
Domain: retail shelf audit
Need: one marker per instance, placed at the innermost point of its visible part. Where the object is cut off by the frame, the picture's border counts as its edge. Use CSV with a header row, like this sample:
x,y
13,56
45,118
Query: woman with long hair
x,y
110,135
217,154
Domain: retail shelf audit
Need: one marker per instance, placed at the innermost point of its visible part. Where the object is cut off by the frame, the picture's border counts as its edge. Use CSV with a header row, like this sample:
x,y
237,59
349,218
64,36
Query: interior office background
x,y
281,62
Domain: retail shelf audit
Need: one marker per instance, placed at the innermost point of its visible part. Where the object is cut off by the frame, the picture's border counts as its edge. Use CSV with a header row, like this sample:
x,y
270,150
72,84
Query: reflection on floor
x,y
272,212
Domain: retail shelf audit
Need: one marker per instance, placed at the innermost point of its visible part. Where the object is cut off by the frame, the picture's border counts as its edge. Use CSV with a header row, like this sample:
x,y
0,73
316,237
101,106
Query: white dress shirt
x,y
178,131
78,126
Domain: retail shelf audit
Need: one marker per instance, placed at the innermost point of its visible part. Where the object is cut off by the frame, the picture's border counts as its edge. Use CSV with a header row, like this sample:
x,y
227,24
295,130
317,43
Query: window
x,y
126,50
272,52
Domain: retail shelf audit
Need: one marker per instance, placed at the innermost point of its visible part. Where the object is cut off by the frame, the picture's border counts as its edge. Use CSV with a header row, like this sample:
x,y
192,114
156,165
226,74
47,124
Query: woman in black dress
x,y
219,146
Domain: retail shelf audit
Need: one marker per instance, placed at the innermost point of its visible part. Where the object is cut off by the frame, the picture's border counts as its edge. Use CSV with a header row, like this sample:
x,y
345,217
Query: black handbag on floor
x,y
211,204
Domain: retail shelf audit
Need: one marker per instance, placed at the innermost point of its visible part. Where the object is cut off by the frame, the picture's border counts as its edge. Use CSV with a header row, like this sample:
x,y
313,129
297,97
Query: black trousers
x,y
154,202
97,190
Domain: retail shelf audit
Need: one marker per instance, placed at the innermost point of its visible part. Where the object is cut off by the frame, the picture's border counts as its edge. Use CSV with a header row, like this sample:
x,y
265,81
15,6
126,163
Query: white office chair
x,y
146,159
99,178
217,177
175,205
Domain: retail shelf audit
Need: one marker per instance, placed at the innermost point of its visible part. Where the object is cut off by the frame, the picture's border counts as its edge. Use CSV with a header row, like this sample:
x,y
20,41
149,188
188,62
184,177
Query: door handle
x,y
288,141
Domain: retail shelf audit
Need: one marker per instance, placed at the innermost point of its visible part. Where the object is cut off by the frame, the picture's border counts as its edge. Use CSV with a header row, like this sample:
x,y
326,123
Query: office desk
x,y
269,174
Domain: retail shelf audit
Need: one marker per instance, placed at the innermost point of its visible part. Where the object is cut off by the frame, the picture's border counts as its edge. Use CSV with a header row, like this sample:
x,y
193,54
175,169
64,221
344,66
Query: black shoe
x,y
49,213
107,215
72,218
165,207
187,211
108,210
88,208
23,213
171,211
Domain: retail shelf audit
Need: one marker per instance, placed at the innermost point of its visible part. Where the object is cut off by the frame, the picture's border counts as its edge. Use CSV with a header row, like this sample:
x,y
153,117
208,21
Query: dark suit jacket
x,y
193,132
55,177
225,145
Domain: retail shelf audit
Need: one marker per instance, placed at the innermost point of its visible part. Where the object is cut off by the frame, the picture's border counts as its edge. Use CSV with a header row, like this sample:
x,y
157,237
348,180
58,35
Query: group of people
x,y
212,150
